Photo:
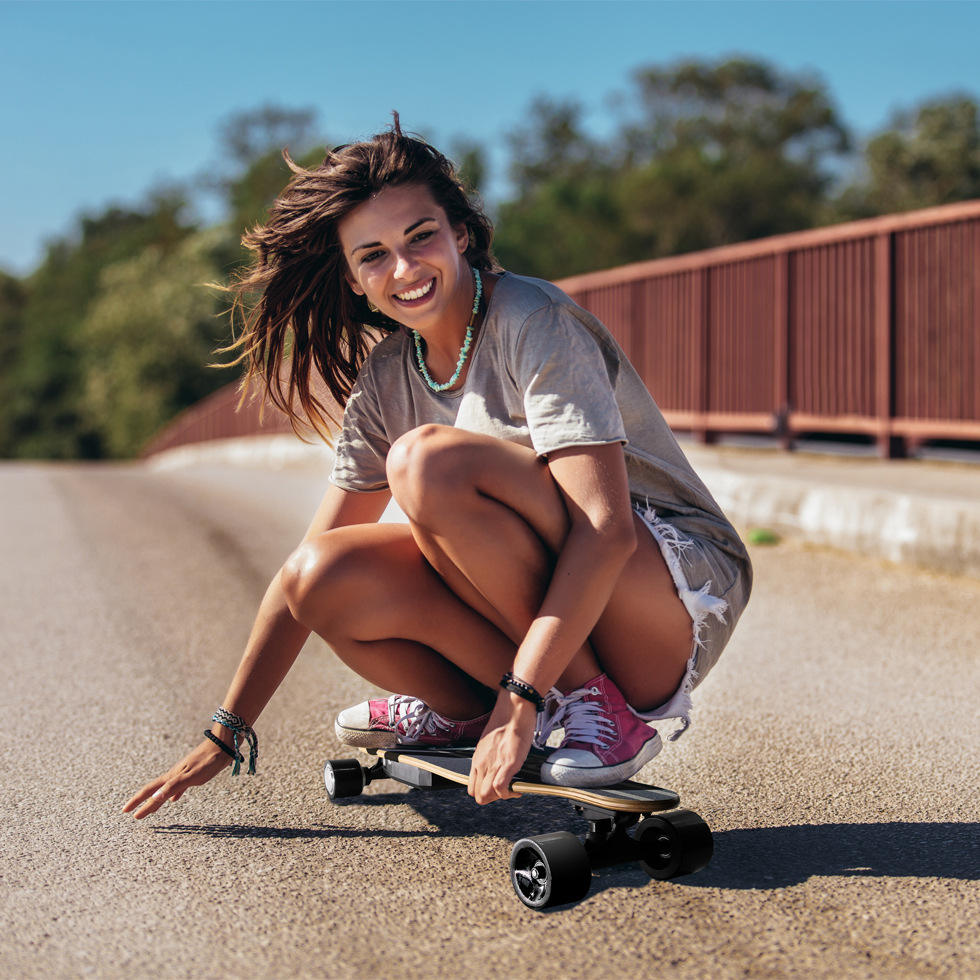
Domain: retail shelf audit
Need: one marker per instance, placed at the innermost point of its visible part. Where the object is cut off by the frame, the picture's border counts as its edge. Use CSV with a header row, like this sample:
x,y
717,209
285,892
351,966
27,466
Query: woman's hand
x,y
195,769
502,749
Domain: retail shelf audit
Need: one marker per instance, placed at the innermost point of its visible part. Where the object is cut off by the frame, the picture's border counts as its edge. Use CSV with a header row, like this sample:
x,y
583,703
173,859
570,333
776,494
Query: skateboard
x,y
629,821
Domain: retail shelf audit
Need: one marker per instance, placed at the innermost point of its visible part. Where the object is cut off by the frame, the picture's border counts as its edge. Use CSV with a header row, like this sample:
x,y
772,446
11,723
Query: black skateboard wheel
x,y
549,870
343,778
673,844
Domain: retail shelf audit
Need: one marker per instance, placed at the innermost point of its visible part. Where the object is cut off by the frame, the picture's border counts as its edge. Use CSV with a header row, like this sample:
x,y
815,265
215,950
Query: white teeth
x,y
416,293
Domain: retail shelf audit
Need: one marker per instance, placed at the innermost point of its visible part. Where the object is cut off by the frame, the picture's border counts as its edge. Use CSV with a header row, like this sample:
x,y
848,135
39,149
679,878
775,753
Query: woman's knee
x,y
316,577
428,465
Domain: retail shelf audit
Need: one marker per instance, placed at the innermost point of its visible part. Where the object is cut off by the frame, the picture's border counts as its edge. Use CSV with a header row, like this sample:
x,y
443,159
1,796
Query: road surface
x,y
834,752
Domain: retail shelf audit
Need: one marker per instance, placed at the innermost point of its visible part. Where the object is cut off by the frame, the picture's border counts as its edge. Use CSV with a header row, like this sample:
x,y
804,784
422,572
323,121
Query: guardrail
x,y
871,327
217,417
868,328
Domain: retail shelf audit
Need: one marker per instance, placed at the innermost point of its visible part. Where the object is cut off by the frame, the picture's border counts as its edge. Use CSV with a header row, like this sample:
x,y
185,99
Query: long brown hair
x,y
297,311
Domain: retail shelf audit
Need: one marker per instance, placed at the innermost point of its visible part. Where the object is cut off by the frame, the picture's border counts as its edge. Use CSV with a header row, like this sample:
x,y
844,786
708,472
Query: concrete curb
x,y
844,504
935,532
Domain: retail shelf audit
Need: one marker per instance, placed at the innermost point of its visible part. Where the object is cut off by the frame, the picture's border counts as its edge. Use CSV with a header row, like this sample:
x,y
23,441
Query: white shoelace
x,y
582,720
411,717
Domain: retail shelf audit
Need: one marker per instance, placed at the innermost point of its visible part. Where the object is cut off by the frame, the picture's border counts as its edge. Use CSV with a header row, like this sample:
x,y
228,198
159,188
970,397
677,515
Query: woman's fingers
x,y
198,767
149,799
491,774
145,793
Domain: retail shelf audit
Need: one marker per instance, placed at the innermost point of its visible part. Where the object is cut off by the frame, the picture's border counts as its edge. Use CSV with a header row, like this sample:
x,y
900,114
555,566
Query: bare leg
x,y
384,611
490,520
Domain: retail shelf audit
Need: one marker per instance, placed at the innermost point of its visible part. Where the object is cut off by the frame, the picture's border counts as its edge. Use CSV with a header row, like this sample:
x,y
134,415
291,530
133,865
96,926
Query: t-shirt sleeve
x,y
362,447
568,383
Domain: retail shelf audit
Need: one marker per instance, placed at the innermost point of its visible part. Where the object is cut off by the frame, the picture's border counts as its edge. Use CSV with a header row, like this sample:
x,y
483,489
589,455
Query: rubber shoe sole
x,y
365,739
559,774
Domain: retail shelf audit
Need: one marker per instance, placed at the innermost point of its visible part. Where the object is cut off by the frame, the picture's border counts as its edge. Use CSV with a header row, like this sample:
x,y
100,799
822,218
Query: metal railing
x,y
868,328
871,327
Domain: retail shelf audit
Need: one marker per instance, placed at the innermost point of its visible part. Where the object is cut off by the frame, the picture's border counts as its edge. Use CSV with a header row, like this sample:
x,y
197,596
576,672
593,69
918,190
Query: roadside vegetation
x,y
112,334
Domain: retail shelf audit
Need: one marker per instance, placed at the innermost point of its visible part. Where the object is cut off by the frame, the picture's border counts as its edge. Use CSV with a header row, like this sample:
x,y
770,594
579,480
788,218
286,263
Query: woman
x,y
562,568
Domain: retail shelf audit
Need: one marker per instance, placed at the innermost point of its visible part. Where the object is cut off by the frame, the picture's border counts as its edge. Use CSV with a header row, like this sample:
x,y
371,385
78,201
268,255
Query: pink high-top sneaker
x,y
383,723
604,741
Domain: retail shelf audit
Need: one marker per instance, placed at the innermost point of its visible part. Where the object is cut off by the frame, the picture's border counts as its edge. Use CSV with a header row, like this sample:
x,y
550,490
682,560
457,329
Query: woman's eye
x,y
423,235
370,257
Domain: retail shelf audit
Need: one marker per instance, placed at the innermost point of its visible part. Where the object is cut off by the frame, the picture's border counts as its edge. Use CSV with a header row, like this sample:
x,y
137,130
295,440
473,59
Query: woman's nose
x,y
404,266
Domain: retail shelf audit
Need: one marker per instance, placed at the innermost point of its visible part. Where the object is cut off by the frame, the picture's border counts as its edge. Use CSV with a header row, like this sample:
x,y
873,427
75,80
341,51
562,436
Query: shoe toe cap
x,y
574,758
357,716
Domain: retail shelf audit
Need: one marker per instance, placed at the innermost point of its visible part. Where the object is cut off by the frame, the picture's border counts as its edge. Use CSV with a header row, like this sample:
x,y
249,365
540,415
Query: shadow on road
x,y
774,857
761,858
255,832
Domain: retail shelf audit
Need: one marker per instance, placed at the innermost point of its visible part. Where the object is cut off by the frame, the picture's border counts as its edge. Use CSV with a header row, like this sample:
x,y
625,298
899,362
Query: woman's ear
x,y
462,238
354,284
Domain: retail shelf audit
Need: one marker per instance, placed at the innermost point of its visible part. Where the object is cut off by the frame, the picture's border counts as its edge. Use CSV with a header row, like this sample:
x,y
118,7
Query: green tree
x,y
725,152
43,416
250,147
147,339
706,154
471,164
13,300
565,216
929,155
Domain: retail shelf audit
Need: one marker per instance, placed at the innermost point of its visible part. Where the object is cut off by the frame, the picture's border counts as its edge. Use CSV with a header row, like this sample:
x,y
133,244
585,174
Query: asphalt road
x,y
834,752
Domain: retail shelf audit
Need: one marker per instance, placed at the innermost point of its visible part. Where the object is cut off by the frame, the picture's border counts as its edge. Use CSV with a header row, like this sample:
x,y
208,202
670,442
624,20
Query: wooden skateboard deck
x,y
454,764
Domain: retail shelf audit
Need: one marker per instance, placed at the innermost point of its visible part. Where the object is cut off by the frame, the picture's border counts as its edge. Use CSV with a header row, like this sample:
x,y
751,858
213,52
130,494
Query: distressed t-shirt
x,y
544,373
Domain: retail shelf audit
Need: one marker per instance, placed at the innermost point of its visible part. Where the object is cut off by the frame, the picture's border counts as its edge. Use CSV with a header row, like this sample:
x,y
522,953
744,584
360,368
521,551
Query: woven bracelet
x,y
522,689
236,725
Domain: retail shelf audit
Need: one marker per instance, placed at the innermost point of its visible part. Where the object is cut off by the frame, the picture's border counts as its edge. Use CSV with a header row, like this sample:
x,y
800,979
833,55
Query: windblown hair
x,y
300,318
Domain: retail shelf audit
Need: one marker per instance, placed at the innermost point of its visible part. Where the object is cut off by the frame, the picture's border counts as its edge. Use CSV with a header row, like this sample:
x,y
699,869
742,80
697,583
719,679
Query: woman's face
x,y
407,259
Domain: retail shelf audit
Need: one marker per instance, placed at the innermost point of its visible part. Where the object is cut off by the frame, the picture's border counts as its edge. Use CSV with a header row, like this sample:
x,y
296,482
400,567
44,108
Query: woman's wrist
x,y
517,708
511,682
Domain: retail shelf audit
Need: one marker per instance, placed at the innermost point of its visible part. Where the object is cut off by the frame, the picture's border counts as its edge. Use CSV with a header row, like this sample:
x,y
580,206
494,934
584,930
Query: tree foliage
x,y
252,143
930,155
705,155
147,339
44,377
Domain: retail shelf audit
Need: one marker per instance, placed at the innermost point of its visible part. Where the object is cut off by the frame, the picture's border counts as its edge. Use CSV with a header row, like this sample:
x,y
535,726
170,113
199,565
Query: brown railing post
x,y
702,357
890,445
781,351
639,325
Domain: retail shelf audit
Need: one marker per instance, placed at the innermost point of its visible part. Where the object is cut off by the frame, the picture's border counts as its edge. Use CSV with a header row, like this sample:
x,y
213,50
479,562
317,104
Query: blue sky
x,y
105,100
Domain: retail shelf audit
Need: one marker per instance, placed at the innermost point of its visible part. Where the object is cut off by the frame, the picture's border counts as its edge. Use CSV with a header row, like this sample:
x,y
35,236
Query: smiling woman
x,y
562,569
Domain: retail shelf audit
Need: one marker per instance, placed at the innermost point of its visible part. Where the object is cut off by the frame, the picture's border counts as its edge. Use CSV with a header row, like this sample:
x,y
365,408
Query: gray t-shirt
x,y
544,373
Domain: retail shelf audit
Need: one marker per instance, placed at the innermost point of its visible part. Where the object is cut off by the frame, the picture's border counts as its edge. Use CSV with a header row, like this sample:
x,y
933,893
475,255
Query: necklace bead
x,y
464,351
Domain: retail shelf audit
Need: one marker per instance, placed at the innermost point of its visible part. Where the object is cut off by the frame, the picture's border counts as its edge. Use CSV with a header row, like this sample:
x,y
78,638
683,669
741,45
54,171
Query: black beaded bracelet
x,y
224,746
522,689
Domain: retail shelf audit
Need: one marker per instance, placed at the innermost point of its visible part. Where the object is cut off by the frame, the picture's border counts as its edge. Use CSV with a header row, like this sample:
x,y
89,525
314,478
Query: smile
x,y
416,294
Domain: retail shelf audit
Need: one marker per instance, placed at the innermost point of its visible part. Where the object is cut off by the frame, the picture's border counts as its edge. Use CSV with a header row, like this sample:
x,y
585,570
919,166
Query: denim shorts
x,y
699,569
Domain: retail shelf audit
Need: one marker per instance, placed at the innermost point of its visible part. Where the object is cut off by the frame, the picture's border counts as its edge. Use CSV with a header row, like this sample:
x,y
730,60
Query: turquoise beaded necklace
x,y
464,351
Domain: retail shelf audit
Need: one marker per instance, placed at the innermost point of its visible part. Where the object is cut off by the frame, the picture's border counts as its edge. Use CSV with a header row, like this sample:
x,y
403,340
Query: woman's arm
x,y
600,540
272,648
564,369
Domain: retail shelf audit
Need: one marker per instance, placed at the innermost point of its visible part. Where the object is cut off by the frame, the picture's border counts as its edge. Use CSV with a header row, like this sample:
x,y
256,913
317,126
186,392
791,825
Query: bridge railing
x,y
868,328
871,327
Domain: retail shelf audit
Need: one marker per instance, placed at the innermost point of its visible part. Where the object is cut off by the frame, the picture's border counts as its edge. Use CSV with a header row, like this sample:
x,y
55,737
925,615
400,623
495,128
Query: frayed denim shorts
x,y
699,570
